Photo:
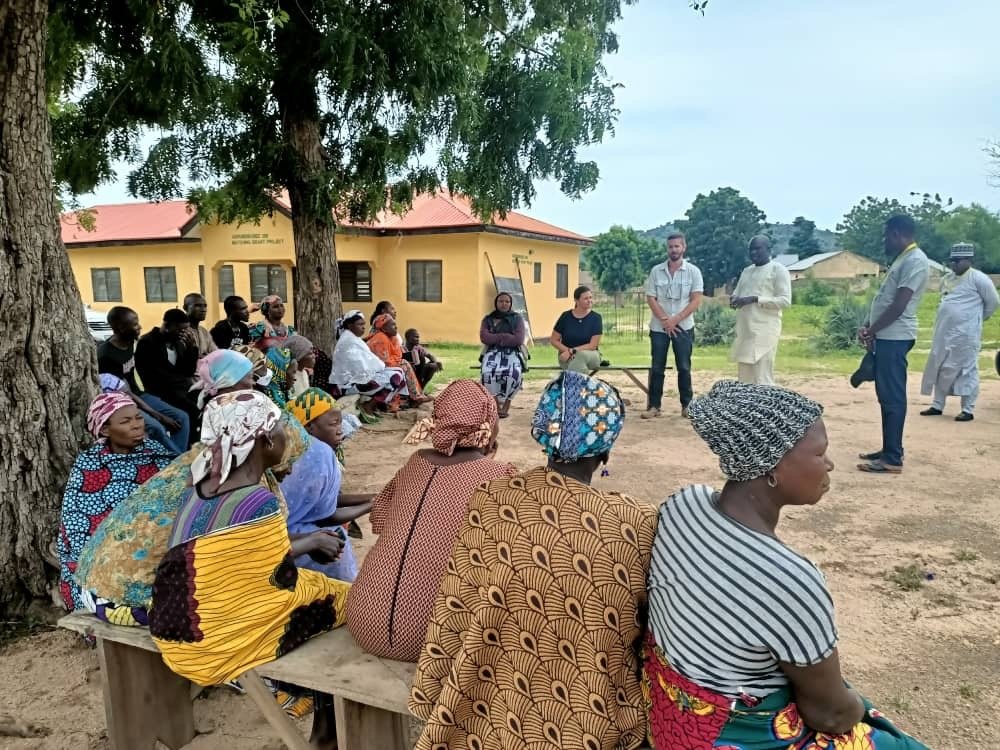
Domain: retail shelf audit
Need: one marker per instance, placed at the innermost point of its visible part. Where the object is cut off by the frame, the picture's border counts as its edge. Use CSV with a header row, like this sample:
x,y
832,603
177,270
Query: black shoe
x,y
876,456
605,363
932,412
964,417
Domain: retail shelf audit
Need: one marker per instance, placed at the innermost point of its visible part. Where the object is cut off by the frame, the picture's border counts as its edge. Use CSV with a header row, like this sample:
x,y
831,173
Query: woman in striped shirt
x,y
742,650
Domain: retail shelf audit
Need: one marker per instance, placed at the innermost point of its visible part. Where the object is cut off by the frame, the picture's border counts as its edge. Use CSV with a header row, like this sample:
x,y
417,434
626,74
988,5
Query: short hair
x,y
191,297
677,236
117,314
580,291
902,225
173,317
229,302
408,331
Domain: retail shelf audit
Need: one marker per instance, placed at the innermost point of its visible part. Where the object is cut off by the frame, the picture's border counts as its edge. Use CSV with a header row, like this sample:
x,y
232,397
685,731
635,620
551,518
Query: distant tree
x,y
718,227
803,241
862,226
978,225
613,259
652,251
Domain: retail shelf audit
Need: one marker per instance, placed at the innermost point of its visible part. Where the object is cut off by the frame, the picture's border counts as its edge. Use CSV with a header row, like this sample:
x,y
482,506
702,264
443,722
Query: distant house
x,y
840,264
786,259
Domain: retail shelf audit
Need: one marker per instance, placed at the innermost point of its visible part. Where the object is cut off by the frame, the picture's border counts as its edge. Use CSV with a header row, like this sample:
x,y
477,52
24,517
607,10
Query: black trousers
x,y
683,345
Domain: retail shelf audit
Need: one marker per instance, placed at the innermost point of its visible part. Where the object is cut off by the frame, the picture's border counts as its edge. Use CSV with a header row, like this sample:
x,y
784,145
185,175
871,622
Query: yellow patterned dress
x,y
534,641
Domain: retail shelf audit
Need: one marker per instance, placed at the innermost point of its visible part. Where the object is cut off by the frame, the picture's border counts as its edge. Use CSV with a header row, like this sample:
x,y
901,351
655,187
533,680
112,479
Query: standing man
x,y
196,308
674,291
968,298
889,334
116,356
763,291
233,331
165,359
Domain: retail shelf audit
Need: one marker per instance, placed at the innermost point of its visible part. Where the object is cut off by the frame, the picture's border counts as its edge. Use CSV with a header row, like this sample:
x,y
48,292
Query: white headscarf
x,y
230,427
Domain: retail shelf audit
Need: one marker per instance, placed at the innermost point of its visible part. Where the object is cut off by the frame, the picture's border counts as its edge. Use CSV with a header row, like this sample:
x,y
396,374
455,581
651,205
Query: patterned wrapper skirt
x,y
502,373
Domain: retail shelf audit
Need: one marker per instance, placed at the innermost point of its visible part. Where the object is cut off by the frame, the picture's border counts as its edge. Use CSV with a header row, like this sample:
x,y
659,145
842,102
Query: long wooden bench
x,y
146,703
629,371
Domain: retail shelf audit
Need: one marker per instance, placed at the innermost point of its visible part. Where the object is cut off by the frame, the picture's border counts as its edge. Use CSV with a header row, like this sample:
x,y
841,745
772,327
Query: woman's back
x,y
728,603
417,516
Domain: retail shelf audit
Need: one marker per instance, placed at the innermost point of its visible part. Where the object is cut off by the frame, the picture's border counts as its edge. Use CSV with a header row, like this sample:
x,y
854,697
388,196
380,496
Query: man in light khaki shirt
x,y
196,308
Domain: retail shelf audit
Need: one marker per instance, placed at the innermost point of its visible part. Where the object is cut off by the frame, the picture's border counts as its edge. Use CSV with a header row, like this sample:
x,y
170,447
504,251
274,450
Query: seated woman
x,y
384,344
304,355
118,563
355,367
227,596
535,631
283,369
103,475
312,491
502,333
767,674
417,516
272,330
577,334
221,371
170,432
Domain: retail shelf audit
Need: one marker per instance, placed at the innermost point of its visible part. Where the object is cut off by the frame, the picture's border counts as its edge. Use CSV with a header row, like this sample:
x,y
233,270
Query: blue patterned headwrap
x,y
578,416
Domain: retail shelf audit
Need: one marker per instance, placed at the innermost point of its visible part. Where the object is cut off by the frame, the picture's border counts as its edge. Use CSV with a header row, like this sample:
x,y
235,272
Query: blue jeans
x,y
890,387
179,440
683,343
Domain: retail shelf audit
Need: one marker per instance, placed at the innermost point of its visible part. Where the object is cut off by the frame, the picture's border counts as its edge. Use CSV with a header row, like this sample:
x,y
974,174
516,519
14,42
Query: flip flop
x,y
879,467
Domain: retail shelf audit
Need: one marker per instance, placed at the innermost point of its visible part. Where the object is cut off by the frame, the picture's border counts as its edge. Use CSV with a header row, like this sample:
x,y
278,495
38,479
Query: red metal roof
x,y
120,222
169,219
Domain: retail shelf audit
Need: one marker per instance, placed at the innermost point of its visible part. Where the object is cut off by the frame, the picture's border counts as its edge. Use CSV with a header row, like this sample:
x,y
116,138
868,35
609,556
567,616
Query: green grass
x,y
796,354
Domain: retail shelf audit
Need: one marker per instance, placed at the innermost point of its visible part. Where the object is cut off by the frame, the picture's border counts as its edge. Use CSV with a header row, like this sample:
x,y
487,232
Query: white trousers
x,y
760,372
941,393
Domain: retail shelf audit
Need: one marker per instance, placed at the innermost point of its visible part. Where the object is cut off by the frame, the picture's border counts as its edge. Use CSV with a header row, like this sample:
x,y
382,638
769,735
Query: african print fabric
x,y
417,516
229,601
686,716
278,361
464,416
577,416
390,351
535,636
502,373
98,482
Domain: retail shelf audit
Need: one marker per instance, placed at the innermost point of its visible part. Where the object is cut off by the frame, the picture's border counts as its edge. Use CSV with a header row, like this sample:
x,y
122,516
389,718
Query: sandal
x,y
876,456
880,467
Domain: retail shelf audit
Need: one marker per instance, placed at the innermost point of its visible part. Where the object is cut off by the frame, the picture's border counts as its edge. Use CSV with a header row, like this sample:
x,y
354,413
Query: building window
x,y
107,284
227,284
266,280
423,281
562,280
355,282
538,273
161,284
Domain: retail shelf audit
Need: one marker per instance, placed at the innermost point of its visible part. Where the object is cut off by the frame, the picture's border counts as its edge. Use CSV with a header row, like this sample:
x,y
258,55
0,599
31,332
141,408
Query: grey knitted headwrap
x,y
751,427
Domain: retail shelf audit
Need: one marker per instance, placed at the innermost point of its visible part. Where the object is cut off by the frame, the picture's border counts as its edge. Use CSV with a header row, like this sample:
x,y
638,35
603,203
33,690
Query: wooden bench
x,y
627,369
145,702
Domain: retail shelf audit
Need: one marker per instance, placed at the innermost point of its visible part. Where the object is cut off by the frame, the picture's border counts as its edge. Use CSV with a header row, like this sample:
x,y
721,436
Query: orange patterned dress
x,y
535,636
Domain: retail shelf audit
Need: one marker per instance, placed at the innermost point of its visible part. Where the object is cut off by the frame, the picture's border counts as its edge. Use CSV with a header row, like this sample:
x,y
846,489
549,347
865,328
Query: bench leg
x,y
274,714
144,701
634,379
361,727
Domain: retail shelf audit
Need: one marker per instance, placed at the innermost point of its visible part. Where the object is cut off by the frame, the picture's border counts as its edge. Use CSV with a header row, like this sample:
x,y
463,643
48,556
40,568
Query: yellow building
x,y
436,263
839,264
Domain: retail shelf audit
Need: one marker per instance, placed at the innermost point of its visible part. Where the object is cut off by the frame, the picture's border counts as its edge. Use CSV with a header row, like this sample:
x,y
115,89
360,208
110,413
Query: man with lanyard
x,y
232,331
889,334
196,308
968,298
116,356
674,290
763,291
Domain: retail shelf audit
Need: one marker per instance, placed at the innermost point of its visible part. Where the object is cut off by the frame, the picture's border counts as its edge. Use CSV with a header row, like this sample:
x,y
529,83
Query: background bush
x,y
814,293
715,324
839,331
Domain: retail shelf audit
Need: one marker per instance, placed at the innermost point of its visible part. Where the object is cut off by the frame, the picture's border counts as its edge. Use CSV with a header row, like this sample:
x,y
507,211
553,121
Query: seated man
x,y
165,359
424,363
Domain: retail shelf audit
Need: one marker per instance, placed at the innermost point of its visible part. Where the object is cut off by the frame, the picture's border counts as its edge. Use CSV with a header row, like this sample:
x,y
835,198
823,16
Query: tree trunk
x,y
317,296
47,362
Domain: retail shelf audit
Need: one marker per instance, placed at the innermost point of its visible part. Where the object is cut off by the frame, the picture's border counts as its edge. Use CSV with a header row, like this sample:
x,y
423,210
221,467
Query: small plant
x,y
814,293
898,704
907,577
968,692
840,327
715,324
966,555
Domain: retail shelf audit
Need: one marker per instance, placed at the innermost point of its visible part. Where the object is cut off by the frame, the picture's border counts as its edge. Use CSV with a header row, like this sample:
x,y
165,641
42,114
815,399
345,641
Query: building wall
x,y
846,265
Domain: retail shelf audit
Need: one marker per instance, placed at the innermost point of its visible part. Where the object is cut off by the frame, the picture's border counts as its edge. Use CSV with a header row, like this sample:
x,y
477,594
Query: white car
x,y
97,322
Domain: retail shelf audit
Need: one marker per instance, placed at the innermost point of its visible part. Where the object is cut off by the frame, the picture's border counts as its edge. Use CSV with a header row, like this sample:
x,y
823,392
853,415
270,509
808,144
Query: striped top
x,y
727,604
200,516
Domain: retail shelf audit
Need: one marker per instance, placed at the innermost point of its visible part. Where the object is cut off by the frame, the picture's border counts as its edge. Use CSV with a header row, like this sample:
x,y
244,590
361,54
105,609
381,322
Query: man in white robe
x,y
763,291
968,298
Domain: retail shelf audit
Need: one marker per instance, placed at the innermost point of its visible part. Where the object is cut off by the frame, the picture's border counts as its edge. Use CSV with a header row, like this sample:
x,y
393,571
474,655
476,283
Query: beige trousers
x,y
760,372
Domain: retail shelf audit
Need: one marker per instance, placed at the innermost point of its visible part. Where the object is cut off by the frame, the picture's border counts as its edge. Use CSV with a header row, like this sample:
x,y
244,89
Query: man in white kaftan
x,y
763,291
968,298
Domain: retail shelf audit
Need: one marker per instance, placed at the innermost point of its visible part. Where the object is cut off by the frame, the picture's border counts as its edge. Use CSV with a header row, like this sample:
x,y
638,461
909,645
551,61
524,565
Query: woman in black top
x,y
577,334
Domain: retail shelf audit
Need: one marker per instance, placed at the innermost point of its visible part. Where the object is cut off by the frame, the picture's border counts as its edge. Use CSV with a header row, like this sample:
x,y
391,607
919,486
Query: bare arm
x,y
345,515
658,312
556,340
346,499
689,309
825,703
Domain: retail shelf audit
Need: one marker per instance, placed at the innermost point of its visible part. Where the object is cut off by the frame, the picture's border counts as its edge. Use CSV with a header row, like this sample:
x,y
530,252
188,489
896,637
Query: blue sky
x,y
805,106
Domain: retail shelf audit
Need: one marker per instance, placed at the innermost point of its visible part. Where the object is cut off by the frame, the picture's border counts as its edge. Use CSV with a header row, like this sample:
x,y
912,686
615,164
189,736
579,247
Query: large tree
x,y
614,258
863,225
349,106
978,225
718,228
803,241
47,360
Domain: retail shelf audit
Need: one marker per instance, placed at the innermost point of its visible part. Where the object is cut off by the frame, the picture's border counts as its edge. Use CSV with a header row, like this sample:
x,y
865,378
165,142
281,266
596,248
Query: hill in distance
x,y
781,233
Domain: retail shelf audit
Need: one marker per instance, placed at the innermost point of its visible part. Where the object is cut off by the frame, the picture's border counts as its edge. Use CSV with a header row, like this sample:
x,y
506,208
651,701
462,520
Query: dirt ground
x,y
913,562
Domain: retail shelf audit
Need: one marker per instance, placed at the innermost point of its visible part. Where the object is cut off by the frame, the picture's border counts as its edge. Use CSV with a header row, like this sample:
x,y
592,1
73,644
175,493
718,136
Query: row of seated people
x,y
562,615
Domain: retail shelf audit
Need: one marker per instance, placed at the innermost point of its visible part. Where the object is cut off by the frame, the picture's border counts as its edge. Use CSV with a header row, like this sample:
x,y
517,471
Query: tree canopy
x,y
803,241
615,258
718,227
863,225
350,107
